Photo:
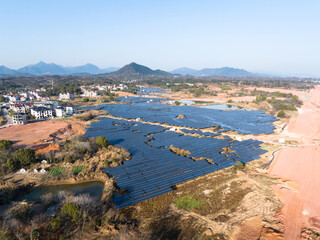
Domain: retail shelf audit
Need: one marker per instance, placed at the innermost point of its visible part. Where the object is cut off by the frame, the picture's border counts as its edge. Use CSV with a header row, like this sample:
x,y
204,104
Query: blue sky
x,y
273,36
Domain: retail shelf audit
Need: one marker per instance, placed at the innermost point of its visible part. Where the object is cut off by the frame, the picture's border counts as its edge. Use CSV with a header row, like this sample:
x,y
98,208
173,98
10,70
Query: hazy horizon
x,y
265,37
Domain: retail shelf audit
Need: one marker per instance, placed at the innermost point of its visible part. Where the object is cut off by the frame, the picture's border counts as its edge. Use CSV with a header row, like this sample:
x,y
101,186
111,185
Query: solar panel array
x,y
154,169
139,99
243,122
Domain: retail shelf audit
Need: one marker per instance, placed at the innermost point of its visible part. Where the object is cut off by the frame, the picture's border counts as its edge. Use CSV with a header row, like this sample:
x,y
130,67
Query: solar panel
x,y
154,168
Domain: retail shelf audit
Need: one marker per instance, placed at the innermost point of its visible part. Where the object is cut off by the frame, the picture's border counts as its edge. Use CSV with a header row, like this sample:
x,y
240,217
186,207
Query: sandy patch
x,y
301,165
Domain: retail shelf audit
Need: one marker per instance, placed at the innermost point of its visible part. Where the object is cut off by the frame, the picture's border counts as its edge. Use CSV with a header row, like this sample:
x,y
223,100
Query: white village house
x,y
19,118
63,111
42,112
90,93
66,96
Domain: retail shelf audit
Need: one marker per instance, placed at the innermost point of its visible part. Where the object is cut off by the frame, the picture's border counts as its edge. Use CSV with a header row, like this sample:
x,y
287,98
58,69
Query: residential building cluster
x,y
93,90
40,110
31,95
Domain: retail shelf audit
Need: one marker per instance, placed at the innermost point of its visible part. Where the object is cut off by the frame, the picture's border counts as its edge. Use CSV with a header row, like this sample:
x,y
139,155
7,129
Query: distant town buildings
x,y
66,96
19,118
17,107
90,93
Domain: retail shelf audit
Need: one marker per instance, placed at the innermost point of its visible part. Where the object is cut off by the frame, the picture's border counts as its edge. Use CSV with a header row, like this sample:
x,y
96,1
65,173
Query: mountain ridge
x,y
208,72
42,68
136,70
130,70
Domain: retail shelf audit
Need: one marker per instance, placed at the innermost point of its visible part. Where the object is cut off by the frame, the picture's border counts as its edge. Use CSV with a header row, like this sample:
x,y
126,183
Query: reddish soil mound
x,y
45,149
33,134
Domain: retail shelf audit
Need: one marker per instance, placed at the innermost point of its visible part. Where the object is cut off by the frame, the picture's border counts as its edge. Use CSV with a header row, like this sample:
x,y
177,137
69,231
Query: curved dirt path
x,y
301,165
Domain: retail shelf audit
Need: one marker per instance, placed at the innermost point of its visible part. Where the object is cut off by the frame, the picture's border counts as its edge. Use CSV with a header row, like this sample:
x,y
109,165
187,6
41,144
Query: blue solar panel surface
x,y
154,168
243,122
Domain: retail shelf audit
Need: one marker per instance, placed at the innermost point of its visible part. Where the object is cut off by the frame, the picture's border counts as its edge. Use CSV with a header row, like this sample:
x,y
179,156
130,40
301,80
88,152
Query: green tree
x,y
35,235
71,210
13,164
281,114
25,156
102,141
56,222
177,103
2,99
5,144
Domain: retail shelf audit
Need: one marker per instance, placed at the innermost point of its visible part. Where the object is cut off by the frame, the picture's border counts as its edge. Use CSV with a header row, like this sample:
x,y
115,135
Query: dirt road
x,y
301,165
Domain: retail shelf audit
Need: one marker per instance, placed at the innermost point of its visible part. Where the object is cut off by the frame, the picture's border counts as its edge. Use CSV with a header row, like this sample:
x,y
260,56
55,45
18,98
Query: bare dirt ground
x,y
39,134
302,166
224,95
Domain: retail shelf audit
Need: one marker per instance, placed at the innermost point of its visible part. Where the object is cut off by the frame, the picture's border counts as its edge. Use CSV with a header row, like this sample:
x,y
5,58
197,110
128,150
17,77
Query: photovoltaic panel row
x,y
152,170
244,122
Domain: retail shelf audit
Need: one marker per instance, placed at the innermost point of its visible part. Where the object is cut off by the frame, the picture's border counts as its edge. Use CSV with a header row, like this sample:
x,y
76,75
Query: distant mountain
x,y
42,68
207,72
185,71
109,69
130,70
87,68
90,69
136,70
7,71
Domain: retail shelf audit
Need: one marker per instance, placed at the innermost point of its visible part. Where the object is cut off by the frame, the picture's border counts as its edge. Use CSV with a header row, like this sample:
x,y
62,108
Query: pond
x,y
223,107
146,91
94,189
187,102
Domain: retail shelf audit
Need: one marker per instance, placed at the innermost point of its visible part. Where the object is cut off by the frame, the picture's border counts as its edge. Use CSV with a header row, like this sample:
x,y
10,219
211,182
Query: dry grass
x,y
179,151
180,116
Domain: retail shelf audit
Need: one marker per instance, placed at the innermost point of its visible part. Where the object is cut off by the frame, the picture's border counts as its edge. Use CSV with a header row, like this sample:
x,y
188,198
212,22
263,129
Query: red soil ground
x,y
38,134
302,166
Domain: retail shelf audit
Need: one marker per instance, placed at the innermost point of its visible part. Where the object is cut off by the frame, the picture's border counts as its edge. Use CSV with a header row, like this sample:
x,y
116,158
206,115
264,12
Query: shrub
x,y
57,171
229,101
35,235
71,210
187,202
106,162
76,170
56,222
177,103
23,213
281,114
86,116
25,156
225,87
13,164
5,144
102,141
238,166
